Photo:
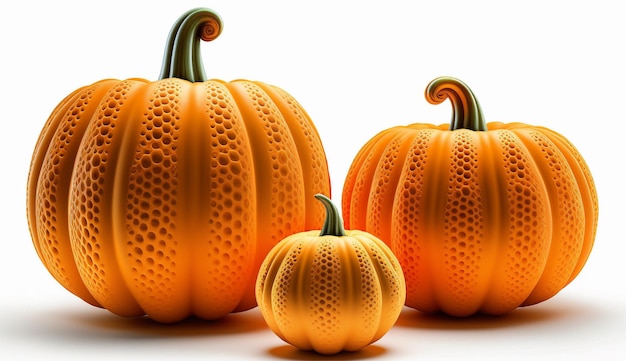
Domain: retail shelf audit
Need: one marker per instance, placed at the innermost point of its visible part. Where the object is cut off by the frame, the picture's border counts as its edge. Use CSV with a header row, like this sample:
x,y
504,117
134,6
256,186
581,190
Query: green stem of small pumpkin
x,y
182,58
466,112
333,225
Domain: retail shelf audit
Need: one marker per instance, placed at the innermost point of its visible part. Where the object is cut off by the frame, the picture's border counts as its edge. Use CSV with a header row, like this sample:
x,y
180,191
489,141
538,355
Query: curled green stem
x,y
182,58
466,112
333,225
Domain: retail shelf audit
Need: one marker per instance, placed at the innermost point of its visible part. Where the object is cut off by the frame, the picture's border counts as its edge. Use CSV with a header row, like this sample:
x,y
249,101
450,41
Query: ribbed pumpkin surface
x,y
481,221
163,198
331,291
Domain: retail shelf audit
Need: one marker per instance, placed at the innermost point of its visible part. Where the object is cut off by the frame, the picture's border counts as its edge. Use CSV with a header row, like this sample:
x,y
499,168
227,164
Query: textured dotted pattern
x,y
406,217
280,290
383,190
526,250
53,189
566,146
379,269
371,293
327,292
309,144
358,184
586,185
285,187
569,220
463,232
90,225
231,222
357,205
153,196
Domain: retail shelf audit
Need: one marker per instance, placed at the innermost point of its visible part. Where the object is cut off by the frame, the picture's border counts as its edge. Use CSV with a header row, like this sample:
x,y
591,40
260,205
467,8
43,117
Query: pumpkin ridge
x,y
524,251
350,183
384,269
382,194
349,286
328,331
53,187
568,233
360,185
263,121
586,186
199,245
299,277
226,152
94,199
42,147
269,288
308,143
408,209
491,246
122,163
277,166
371,291
435,240
462,238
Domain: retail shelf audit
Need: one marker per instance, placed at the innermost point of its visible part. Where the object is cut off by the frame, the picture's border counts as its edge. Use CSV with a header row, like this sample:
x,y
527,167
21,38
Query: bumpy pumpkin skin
x,y
481,221
331,292
163,198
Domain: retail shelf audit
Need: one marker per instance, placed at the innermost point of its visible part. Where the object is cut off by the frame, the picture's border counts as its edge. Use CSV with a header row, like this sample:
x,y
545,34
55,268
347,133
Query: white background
x,y
357,68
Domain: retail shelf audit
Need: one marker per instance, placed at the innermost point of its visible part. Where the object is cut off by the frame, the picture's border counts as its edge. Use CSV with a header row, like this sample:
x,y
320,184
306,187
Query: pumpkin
x,y
483,218
331,290
162,198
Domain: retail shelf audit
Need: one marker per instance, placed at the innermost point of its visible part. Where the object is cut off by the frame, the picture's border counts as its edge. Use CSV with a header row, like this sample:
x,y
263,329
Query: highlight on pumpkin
x,y
162,198
482,219
330,291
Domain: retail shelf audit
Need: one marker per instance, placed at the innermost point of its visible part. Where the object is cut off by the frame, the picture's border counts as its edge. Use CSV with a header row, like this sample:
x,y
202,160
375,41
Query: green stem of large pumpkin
x,y
182,58
333,225
466,112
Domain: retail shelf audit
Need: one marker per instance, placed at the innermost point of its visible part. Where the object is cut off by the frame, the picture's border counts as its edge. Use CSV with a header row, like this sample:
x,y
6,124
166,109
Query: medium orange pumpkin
x,y
482,217
330,290
162,198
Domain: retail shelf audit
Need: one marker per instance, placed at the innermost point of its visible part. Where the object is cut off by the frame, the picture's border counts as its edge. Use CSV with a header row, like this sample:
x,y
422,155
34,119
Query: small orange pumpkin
x,y
163,198
331,290
482,217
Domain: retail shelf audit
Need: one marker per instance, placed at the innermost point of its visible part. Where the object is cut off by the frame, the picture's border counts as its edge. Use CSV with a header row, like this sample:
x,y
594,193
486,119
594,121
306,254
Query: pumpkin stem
x,y
466,112
333,225
182,58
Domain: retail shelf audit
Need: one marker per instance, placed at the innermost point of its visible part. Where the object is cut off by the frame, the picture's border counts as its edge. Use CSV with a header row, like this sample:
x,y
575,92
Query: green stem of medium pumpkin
x,y
333,225
466,112
182,58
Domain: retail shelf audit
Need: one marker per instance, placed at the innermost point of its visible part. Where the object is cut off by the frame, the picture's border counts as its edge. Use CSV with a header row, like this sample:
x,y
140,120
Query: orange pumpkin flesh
x,y
331,290
162,198
482,217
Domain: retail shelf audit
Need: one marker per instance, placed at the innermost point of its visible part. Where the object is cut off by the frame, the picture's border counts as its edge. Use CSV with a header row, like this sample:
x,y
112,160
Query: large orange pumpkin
x,y
482,217
162,198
